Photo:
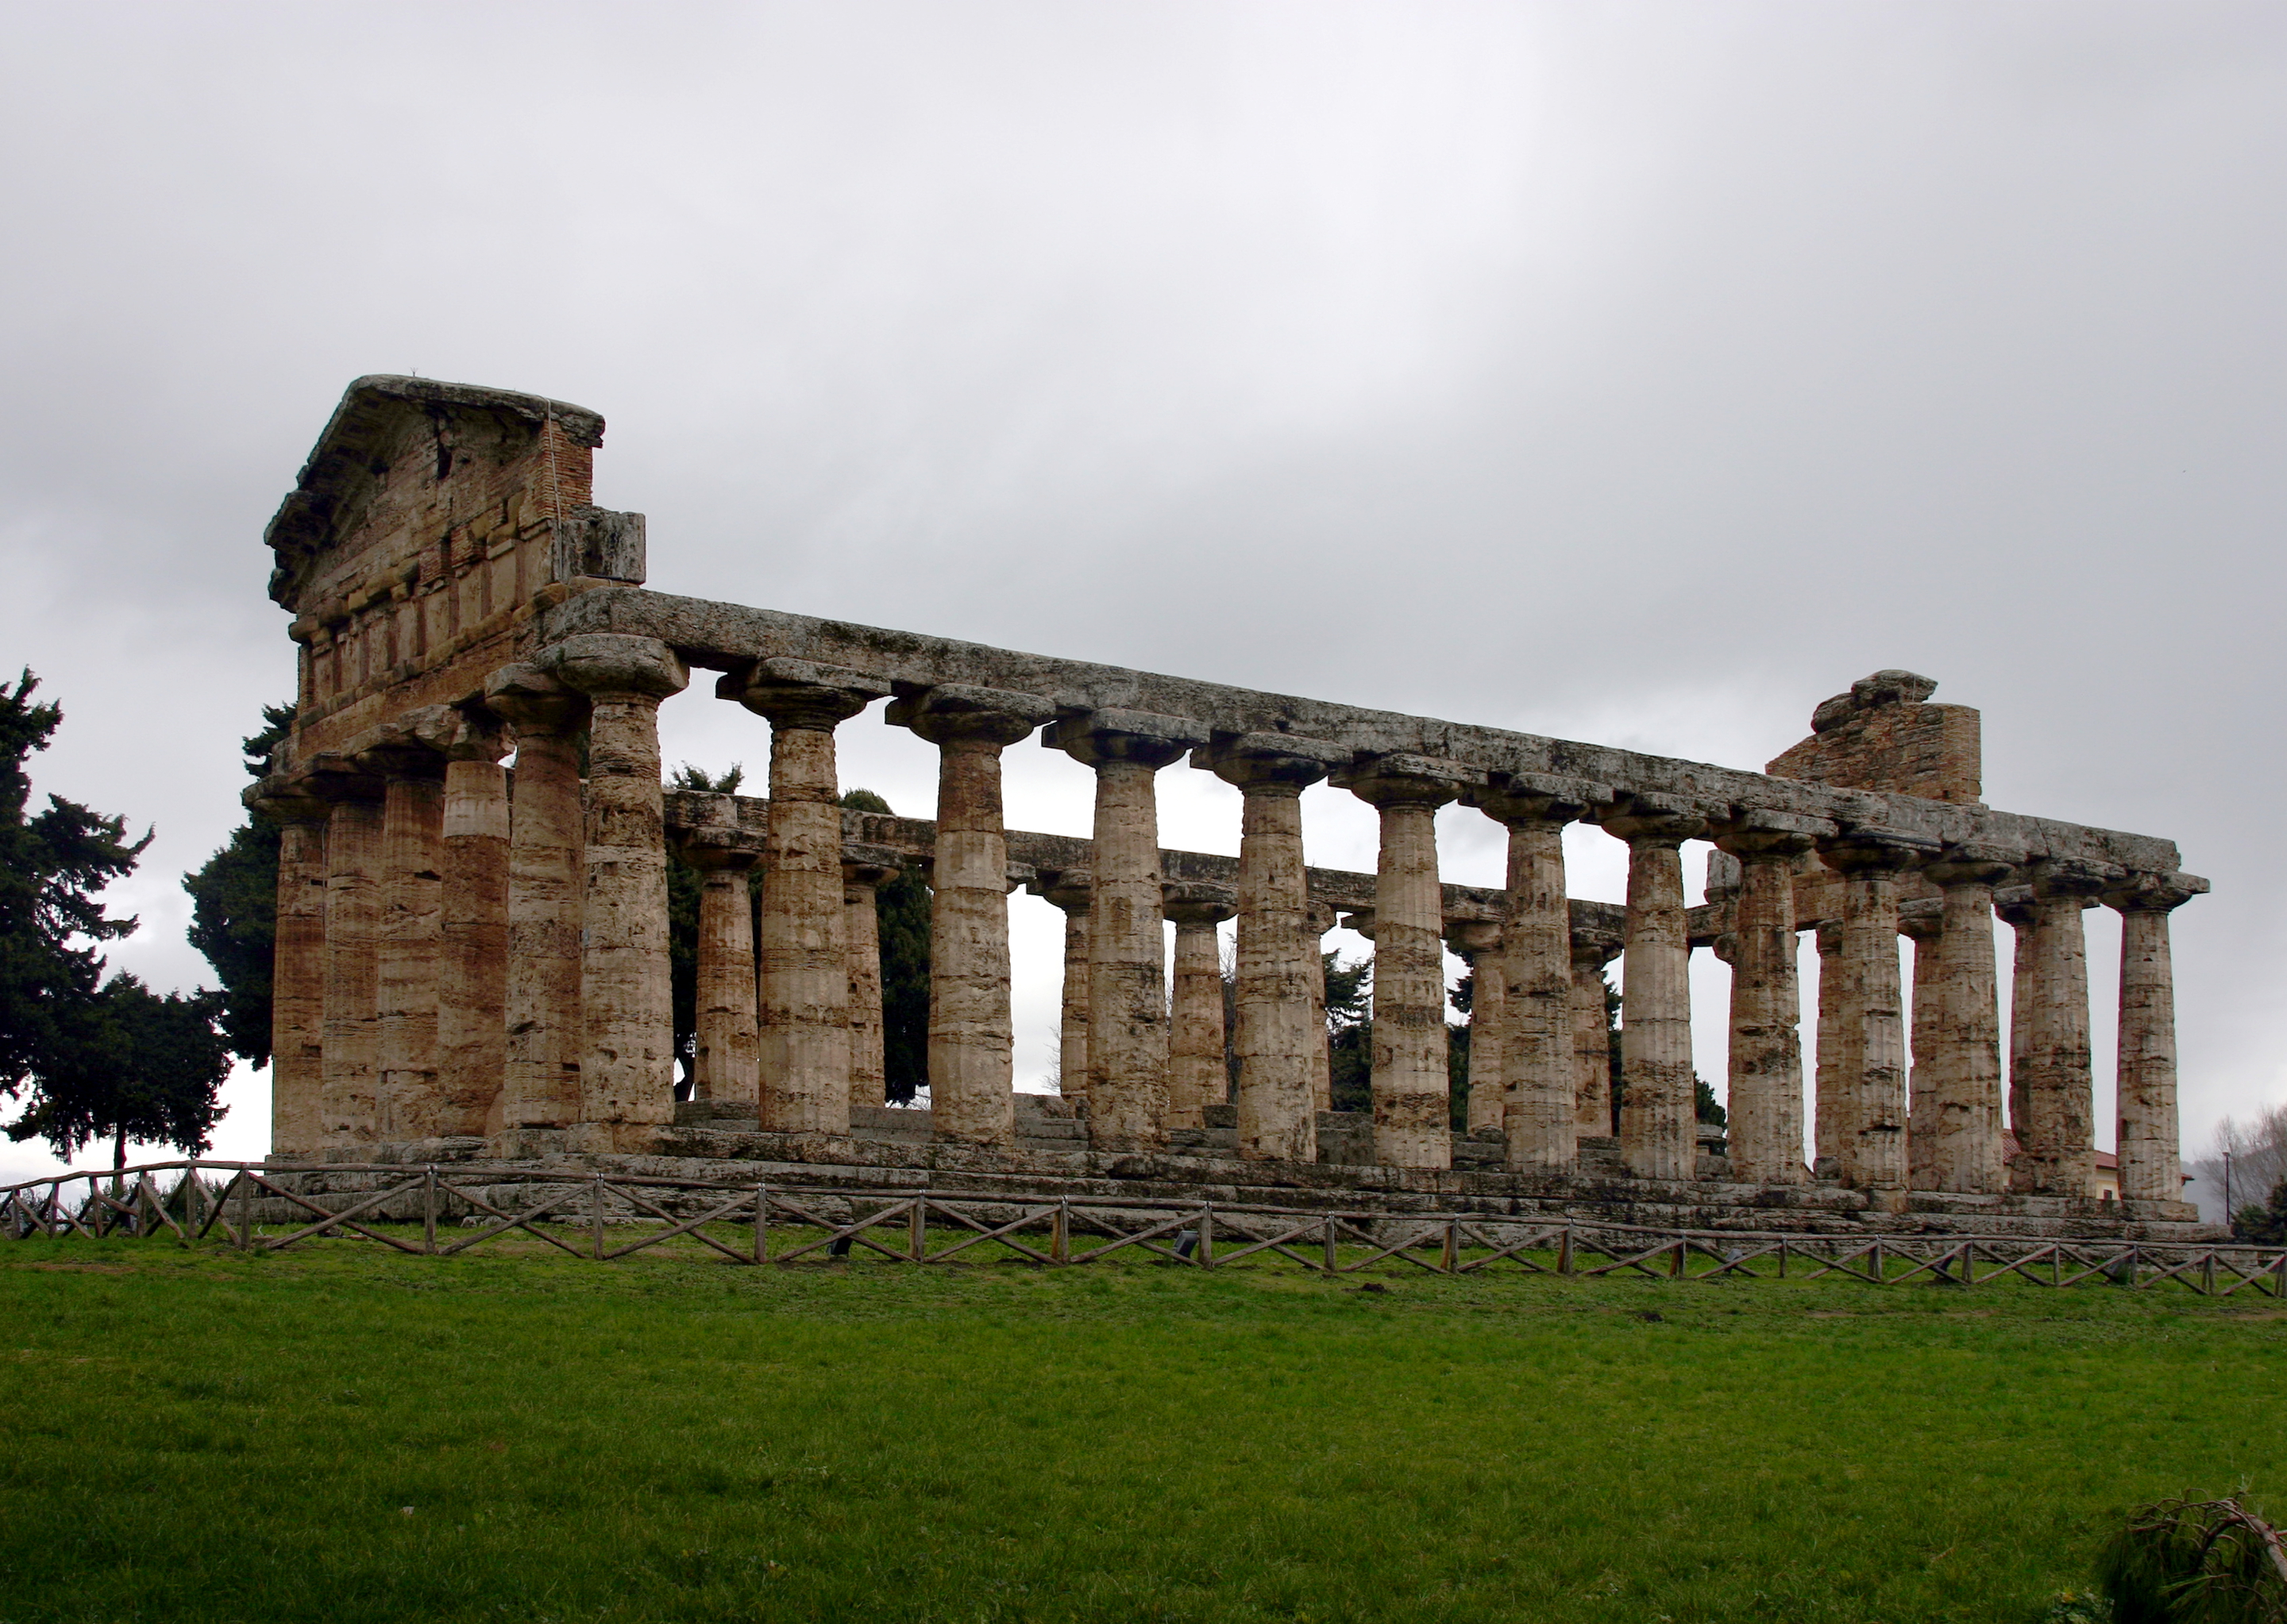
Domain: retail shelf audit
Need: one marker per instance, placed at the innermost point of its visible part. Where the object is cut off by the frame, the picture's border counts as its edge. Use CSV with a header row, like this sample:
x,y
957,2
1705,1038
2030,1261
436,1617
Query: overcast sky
x,y
1639,373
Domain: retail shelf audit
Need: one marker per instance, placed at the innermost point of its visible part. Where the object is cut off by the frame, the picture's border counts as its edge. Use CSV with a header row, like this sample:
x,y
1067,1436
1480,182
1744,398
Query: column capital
x,y
801,693
1145,738
287,797
1592,949
1644,819
870,866
1402,780
1973,863
608,665
334,777
1868,852
1468,938
956,712
1360,920
2055,877
1269,763
1922,919
711,847
2014,906
532,701
1320,917
1537,798
1762,833
2154,893
1198,902
1072,889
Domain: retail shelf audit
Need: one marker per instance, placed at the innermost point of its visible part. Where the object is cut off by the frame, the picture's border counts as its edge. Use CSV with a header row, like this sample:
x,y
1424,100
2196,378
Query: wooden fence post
x,y
1060,1236
917,1227
1207,1236
1449,1255
1564,1250
1333,1262
429,1210
595,1214
762,1221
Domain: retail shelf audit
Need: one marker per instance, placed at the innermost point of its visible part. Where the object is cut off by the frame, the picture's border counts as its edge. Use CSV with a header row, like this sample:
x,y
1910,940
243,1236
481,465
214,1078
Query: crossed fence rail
x,y
757,1223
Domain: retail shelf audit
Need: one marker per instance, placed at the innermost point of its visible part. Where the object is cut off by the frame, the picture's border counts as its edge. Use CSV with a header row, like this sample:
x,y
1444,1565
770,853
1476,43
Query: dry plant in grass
x,y
2195,1562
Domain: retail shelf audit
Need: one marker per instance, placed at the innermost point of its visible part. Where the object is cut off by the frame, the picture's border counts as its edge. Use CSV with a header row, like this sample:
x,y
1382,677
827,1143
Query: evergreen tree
x,y
147,1067
2265,1226
234,907
112,1061
1349,1030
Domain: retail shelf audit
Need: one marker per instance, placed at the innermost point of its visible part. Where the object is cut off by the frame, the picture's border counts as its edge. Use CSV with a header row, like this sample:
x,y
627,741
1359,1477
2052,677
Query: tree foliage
x,y
1349,1030
234,907
99,1060
2264,1224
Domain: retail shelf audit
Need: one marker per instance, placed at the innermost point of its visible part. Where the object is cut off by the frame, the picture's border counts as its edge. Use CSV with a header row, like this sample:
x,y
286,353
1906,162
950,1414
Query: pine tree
x,y
99,1060
234,907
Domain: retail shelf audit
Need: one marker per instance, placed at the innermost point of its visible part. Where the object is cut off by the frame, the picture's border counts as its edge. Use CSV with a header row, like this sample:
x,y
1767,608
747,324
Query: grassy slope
x,y
227,1437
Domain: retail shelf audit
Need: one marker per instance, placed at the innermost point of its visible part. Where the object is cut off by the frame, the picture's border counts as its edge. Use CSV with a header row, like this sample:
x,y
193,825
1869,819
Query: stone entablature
x,y
473,954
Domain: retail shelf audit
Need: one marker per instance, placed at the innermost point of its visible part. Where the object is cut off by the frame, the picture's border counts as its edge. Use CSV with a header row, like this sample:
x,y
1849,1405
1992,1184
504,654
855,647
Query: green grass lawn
x,y
341,1433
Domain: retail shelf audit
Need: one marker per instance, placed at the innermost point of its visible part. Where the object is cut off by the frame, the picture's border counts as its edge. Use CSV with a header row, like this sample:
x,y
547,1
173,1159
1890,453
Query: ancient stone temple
x,y
473,959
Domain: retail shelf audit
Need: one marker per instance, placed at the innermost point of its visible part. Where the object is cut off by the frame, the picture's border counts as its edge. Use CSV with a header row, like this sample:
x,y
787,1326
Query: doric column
x,y
1127,970
1534,1046
2058,1137
722,1059
1280,995
806,977
1412,1098
1920,922
971,1038
2015,904
1319,919
2150,1165
408,936
1197,1077
1764,1115
546,838
1476,943
297,973
1832,1122
473,931
1957,1134
864,870
348,1076
627,1063
1591,1036
1659,1114
1072,892
1871,1023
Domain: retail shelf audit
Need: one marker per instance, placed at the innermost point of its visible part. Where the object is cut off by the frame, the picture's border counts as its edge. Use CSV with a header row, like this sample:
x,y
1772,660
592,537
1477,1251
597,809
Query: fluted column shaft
x,y
1871,1020
971,1034
1411,1095
861,945
1658,1136
804,1050
2150,1164
725,1061
1592,1041
545,862
1924,997
1280,998
1834,1102
298,977
1196,1076
627,1065
353,995
1127,953
2057,1139
473,926
1957,1144
1476,943
411,937
1072,892
1764,1114
1535,1044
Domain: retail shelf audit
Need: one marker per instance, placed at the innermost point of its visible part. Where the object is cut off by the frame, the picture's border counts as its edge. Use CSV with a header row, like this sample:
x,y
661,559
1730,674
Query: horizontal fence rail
x,y
590,1216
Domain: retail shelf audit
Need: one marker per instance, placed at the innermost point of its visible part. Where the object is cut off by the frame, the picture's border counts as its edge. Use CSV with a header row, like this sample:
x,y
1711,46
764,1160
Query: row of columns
x,y
450,963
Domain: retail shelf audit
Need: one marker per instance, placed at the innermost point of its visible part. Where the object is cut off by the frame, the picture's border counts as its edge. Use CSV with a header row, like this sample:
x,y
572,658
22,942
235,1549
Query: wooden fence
x,y
594,1218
